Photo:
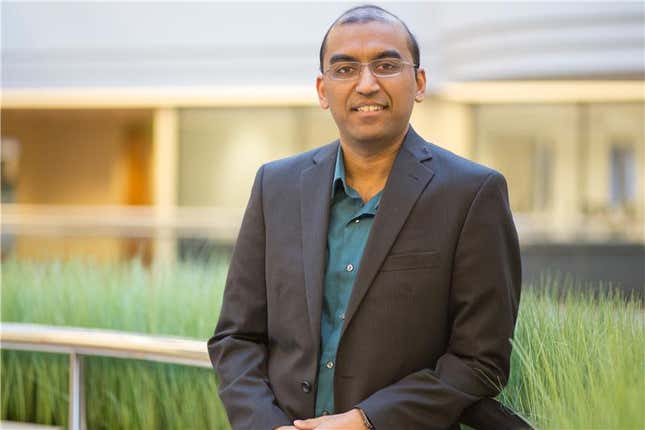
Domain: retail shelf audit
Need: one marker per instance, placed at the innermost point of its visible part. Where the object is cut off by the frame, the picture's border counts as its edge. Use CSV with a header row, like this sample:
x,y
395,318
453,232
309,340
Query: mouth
x,y
374,107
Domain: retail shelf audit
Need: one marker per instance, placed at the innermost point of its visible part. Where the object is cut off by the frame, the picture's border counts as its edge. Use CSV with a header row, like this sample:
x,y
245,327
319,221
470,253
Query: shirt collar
x,y
339,174
339,178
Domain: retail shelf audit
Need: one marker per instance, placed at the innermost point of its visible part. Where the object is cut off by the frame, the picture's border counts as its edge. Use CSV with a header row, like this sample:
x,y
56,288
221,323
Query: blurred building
x,y
135,129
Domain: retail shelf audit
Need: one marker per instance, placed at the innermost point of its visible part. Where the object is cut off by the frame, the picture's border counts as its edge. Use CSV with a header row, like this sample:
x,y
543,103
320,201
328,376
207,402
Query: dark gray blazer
x,y
427,328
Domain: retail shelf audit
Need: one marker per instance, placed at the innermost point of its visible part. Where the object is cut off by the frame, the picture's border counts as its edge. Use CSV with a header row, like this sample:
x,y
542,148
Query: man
x,y
375,281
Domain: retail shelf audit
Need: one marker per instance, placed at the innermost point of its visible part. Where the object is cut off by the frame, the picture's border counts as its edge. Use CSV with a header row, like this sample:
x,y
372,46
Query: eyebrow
x,y
338,58
388,54
391,53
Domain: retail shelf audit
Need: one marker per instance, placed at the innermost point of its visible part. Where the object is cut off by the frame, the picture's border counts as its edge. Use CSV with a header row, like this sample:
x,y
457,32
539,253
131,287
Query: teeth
x,y
369,108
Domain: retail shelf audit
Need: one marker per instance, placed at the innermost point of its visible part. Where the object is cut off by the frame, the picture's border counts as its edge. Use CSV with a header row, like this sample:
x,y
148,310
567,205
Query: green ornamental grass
x,y
578,359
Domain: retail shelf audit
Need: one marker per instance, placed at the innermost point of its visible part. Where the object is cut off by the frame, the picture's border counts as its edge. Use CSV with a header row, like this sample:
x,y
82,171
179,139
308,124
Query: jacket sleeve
x,y
484,299
238,348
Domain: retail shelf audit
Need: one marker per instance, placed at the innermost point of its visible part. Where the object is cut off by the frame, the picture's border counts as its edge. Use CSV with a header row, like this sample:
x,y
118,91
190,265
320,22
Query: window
x,y
622,172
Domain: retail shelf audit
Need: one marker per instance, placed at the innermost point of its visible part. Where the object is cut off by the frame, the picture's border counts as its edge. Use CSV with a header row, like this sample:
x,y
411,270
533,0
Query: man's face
x,y
392,97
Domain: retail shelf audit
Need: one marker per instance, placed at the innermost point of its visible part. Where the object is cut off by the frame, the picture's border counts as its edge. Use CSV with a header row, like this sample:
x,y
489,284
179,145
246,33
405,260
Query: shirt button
x,y
329,364
349,268
305,386
341,316
324,412
357,220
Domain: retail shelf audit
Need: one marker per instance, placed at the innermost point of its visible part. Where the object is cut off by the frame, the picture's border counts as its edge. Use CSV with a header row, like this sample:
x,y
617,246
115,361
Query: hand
x,y
350,420
286,428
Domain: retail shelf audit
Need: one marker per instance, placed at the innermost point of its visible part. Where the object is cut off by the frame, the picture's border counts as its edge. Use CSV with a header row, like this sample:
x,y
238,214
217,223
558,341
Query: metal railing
x,y
218,223
223,224
80,342
485,414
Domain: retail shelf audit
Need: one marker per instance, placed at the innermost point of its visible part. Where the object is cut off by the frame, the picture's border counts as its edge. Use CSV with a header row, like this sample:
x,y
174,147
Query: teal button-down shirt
x,y
350,221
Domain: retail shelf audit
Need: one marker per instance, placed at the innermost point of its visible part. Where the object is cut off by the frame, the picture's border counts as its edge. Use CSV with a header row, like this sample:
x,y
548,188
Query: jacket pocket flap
x,y
414,260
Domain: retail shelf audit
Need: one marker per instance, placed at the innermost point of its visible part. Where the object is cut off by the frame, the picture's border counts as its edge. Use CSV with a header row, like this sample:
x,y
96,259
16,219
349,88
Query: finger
x,y
311,423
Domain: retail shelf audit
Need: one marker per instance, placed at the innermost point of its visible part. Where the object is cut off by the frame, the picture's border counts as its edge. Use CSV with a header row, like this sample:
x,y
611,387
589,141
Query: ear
x,y
322,93
421,85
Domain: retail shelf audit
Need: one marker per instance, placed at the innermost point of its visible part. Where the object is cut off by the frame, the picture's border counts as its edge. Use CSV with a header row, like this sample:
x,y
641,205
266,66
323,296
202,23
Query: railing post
x,y
76,393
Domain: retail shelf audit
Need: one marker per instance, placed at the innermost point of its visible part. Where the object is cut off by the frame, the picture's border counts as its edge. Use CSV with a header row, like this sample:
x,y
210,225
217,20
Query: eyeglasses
x,y
383,68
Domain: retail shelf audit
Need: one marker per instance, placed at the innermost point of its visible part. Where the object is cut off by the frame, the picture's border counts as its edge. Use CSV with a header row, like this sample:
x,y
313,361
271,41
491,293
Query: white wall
x,y
103,44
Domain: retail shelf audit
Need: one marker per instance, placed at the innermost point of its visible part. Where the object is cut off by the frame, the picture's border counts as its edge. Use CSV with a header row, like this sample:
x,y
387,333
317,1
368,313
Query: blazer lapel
x,y
315,196
407,179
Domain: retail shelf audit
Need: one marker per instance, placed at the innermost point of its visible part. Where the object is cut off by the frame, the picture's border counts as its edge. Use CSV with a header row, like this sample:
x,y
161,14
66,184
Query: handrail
x,y
486,414
79,342
222,224
106,343
217,223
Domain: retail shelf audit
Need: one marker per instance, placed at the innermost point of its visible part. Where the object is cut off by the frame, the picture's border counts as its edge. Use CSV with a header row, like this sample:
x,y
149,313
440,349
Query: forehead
x,y
366,40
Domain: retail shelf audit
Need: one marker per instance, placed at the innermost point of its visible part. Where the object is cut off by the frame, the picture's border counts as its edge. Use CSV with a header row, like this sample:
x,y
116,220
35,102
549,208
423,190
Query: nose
x,y
367,82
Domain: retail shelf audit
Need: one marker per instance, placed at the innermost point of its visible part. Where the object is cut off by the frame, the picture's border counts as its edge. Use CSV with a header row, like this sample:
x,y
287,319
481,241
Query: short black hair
x,y
370,13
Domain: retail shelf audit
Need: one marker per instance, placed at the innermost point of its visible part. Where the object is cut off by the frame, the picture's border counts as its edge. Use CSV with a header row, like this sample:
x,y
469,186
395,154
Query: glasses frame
x,y
368,65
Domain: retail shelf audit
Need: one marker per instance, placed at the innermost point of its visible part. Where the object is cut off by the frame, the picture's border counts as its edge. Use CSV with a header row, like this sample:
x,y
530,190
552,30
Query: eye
x,y
344,69
387,66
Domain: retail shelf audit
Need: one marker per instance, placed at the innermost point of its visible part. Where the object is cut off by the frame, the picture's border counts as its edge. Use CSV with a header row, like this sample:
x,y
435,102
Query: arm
x,y
484,298
238,349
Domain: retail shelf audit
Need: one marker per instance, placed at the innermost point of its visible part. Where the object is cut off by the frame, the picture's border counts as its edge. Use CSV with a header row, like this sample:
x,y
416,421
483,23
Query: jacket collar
x,y
408,178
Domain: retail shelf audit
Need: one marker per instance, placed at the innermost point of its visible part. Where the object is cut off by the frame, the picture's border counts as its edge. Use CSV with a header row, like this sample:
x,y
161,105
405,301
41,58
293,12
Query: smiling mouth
x,y
369,108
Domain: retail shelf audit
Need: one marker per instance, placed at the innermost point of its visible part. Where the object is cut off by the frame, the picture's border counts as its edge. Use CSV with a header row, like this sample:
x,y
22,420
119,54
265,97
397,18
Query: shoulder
x,y
283,176
456,170
288,168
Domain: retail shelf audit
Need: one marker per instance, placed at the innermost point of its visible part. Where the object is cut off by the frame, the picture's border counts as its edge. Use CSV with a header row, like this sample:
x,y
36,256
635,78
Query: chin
x,y
375,134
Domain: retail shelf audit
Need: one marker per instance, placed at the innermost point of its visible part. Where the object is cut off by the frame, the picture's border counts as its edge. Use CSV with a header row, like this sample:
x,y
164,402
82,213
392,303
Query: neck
x,y
368,165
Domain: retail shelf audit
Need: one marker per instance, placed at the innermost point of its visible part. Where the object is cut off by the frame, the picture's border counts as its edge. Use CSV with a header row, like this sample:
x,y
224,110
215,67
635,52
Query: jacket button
x,y
306,386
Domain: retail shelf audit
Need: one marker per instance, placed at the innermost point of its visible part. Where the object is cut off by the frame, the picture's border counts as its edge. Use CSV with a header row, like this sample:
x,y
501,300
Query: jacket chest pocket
x,y
411,261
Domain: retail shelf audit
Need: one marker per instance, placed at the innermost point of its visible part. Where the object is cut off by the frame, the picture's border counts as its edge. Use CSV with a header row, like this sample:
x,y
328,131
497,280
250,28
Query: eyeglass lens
x,y
352,69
